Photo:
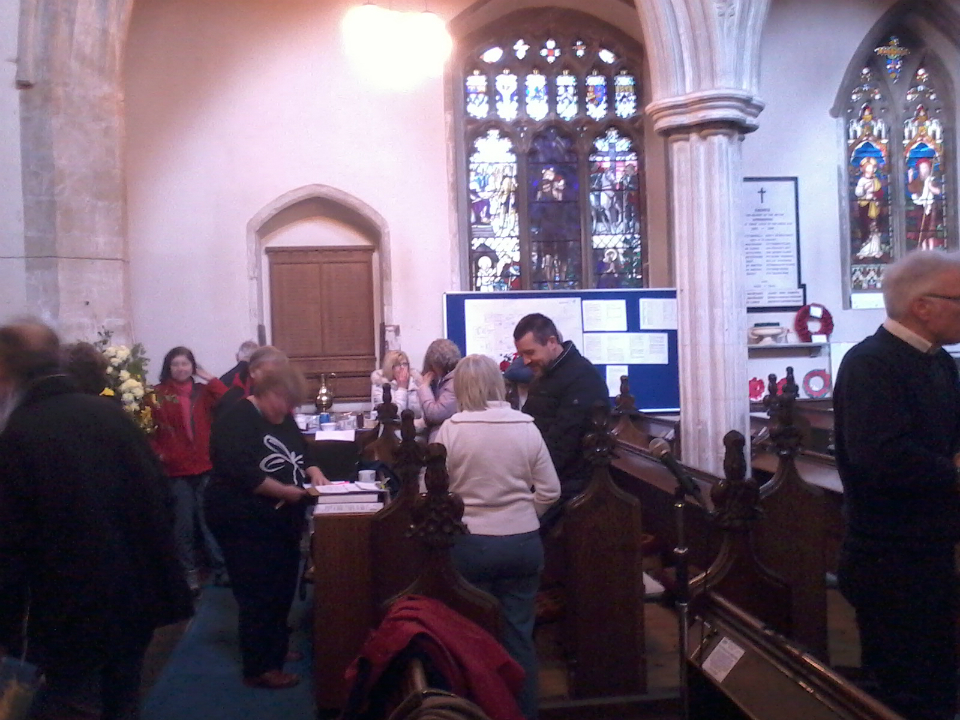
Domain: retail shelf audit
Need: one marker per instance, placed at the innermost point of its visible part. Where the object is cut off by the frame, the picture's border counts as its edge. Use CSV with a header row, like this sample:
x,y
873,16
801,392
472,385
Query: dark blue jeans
x,y
508,567
188,494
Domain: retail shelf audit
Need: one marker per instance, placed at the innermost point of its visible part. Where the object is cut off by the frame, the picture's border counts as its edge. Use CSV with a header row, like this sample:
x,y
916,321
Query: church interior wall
x,y
806,49
12,264
227,111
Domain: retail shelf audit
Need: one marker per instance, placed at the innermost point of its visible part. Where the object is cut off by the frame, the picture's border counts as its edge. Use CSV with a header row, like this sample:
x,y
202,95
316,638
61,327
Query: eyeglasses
x,y
406,364
951,298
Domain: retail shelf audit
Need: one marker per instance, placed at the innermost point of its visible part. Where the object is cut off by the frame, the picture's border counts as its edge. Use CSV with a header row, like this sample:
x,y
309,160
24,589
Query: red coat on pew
x,y
471,660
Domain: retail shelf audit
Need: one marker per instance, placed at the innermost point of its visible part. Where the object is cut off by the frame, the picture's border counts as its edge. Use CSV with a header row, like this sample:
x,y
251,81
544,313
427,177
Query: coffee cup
x,y
367,476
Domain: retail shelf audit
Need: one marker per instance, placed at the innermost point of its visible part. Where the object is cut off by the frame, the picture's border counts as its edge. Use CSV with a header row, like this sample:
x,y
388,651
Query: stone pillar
x,y
704,70
69,74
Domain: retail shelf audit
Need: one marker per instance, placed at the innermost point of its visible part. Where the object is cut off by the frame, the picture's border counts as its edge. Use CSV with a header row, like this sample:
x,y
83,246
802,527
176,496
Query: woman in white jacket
x,y
403,380
499,465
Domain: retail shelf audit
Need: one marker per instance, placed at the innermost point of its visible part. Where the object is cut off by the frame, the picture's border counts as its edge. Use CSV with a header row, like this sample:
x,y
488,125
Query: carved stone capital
x,y
706,110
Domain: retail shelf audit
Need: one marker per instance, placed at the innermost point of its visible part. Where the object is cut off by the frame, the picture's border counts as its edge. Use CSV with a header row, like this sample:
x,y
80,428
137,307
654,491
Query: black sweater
x,y
897,423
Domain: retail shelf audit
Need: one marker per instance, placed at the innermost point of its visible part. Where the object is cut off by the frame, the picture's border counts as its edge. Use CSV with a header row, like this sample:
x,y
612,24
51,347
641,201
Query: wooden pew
x,y
605,622
739,662
740,669
790,538
397,558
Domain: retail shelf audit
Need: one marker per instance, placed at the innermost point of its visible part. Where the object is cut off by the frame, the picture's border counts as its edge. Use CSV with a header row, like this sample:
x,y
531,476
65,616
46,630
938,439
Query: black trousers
x,y
106,689
263,564
906,606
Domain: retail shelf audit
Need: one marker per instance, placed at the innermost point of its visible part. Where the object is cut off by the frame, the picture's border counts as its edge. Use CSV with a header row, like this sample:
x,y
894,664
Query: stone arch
x,y
321,201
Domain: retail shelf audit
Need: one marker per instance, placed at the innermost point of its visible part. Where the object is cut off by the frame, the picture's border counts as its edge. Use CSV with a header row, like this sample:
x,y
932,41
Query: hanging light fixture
x,y
396,47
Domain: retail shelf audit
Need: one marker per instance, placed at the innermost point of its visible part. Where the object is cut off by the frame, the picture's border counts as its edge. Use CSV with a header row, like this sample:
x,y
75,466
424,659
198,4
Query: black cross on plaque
x,y
761,192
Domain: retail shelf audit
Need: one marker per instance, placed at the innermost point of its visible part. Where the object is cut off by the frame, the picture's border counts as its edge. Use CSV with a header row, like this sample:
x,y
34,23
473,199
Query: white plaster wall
x,y
227,109
12,270
806,49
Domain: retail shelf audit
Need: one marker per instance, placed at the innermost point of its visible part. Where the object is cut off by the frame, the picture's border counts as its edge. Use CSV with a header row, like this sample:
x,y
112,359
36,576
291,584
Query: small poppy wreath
x,y
823,390
801,323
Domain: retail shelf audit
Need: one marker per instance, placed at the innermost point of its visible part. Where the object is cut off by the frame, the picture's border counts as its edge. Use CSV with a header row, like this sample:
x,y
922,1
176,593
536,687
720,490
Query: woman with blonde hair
x,y
437,398
495,455
403,381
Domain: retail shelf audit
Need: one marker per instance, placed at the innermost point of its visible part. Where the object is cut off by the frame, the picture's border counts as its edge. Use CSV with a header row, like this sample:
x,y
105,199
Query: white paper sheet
x,y
626,348
604,315
658,314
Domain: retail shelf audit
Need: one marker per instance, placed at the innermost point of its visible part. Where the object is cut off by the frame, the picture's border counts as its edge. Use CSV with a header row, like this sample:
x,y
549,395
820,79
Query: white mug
x,y
368,476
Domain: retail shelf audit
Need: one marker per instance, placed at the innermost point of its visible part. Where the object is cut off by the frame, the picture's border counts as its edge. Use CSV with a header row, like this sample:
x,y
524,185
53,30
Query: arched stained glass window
x,y
553,137
895,121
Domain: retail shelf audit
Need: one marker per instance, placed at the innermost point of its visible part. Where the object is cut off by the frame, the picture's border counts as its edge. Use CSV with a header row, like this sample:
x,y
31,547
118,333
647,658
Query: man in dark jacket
x,y
86,539
565,388
897,423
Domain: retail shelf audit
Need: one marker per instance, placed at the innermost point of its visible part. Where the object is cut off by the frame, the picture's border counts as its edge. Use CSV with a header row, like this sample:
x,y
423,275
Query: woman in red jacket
x,y
184,413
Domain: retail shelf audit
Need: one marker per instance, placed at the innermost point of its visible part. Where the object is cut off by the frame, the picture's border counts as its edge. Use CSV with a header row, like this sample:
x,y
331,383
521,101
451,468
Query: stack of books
x,y
349,497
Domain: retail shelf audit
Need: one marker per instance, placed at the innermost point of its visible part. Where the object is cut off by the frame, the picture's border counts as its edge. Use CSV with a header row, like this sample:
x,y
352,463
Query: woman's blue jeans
x,y
508,567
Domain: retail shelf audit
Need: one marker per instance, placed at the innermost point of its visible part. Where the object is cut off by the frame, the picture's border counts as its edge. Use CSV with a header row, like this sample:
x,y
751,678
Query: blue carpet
x,y
203,678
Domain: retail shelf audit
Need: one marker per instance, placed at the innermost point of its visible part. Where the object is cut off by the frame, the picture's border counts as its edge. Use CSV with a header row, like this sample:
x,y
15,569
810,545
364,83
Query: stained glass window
x,y
507,103
537,96
494,222
615,210
596,96
896,175
478,103
553,136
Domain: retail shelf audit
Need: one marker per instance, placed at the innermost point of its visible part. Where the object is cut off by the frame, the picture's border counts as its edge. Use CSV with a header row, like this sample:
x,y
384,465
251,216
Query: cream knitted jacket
x,y
500,466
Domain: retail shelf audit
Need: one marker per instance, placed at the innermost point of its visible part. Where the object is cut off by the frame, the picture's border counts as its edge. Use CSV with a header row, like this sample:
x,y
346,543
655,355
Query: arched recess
x,y
315,201
871,110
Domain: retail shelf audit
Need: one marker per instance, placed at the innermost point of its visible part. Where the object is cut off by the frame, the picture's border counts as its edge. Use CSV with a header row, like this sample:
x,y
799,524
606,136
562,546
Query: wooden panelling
x,y
323,315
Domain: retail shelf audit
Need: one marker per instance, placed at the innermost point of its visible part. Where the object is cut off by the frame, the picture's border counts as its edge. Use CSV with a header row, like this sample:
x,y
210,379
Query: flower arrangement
x,y
126,379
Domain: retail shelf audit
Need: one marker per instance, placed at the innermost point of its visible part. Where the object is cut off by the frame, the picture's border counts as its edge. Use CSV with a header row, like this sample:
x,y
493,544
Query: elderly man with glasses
x,y
897,421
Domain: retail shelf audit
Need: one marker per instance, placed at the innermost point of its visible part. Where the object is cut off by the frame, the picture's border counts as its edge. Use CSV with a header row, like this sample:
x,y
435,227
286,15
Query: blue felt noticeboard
x,y
484,322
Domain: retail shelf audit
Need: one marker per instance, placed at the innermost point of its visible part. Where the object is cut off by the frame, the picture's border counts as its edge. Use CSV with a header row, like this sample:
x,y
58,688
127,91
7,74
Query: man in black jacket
x,y
565,388
897,422
86,536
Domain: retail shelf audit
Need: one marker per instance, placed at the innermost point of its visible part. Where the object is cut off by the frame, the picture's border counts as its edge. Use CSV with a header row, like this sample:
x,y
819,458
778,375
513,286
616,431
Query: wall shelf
x,y
813,349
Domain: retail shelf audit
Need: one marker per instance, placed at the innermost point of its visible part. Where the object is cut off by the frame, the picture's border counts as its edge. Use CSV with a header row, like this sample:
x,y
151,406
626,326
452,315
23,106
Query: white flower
x,y
123,352
124,375
128,399
137,392
109,352
115,361
111,370
129,384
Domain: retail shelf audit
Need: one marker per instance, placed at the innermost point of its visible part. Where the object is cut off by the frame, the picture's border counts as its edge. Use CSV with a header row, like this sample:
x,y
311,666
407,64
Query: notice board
x,y
629,332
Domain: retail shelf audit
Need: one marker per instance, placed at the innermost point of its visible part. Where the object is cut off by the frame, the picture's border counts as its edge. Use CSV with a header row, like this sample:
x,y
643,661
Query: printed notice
x,y
626,348
722,659
771,243
658,314
613,378
604,315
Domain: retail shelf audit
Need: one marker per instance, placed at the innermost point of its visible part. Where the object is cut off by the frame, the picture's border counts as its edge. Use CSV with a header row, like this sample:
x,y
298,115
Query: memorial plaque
x,y
771,237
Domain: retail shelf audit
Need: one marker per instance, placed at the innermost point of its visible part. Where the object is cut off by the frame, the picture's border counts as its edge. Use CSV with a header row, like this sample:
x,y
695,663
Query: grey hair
x,y
247,348
267,354
478,380
442,356
916,273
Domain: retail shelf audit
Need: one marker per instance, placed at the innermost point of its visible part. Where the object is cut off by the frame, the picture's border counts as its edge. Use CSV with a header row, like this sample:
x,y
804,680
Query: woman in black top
x,y
255,509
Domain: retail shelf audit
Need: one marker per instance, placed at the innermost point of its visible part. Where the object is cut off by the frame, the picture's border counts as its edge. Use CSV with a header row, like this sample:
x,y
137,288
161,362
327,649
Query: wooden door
x,y
323,316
